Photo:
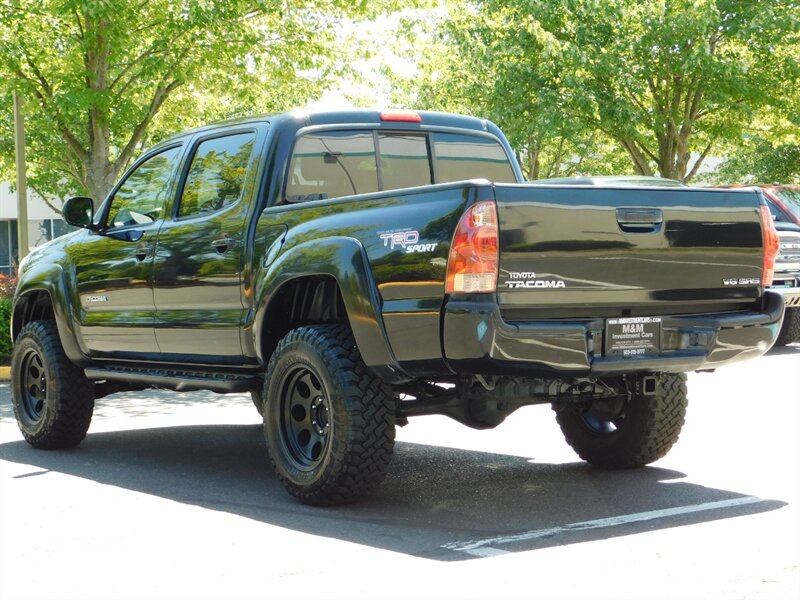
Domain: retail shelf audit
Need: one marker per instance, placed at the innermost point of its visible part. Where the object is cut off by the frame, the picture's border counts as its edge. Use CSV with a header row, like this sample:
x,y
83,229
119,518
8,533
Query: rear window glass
x,y
332,164
404,160
460,157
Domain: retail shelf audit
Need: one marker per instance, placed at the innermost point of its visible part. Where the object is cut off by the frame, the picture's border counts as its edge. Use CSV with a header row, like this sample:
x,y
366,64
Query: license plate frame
x,y
632,336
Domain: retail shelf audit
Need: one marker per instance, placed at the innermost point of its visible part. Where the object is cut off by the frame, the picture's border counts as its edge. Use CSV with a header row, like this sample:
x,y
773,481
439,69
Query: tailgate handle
x,y
640,220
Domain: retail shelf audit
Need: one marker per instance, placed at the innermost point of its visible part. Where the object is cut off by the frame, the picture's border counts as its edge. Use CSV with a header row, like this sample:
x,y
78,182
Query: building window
x,y
40,231
8,247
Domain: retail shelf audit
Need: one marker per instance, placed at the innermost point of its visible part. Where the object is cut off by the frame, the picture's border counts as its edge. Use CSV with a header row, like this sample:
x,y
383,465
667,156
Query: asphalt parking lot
x,y
171,496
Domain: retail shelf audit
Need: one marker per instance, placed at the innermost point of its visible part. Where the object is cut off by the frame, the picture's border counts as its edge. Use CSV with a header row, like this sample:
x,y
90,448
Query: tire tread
x,y
370,405
790,330
654,431
71,393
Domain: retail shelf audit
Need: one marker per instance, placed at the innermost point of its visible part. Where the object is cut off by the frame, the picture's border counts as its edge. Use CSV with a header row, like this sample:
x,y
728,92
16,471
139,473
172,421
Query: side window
x,y
142,195
460,157
217,173
404,160
777,214
332,164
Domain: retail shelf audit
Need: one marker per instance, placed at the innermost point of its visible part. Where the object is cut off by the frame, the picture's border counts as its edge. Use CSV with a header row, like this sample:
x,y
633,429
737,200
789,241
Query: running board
x,y
180,380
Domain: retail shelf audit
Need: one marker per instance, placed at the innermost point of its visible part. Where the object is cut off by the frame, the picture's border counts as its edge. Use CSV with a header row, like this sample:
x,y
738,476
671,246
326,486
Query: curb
x,y
5,373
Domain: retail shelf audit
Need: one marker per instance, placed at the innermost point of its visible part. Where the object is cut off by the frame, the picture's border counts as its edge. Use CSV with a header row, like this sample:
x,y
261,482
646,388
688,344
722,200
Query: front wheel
x,y
328,420
628,432
53,400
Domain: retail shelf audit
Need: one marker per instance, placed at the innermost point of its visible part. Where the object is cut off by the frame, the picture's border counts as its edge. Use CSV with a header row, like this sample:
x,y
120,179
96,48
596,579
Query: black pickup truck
x,y
354,269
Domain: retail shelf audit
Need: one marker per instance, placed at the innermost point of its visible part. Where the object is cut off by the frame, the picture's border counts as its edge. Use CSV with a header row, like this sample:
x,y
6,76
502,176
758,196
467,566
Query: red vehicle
x,y
785,200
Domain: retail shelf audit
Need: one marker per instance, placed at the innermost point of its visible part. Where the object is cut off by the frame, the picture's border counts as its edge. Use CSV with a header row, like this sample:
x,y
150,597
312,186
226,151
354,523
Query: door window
x,y
141,197
217,174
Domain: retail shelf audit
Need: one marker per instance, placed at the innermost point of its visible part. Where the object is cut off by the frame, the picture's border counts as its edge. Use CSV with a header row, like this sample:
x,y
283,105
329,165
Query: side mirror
x,y
79,212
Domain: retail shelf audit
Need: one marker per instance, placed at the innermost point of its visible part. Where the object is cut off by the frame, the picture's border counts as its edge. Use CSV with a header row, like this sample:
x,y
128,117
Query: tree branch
x,y
699,161
161,94
128,67
44,199
69,137
636,154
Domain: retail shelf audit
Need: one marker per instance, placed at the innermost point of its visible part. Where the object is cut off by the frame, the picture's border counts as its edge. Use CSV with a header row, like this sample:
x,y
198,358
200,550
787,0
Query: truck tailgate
x,y
583,251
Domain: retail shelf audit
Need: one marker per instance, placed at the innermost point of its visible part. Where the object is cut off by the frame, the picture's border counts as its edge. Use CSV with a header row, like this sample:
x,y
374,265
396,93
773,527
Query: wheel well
x,y
35,306
302,301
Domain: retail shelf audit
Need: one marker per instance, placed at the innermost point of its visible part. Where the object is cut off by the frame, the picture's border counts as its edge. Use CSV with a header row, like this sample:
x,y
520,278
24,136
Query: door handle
x,y
222,245
141,253
640,219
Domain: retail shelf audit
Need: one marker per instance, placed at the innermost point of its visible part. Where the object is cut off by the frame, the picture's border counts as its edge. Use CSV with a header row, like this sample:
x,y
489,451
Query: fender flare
x,y
344,259
52,280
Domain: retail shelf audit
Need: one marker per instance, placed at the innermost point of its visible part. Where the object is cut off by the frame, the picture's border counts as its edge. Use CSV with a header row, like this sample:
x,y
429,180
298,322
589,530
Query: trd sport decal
x,y
408,240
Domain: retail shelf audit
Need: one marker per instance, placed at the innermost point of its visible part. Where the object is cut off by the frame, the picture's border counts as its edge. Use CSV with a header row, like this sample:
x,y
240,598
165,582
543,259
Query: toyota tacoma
x,y
354,269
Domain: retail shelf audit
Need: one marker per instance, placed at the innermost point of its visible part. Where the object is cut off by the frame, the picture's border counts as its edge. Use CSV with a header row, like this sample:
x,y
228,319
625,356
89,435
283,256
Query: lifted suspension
x,y
484,402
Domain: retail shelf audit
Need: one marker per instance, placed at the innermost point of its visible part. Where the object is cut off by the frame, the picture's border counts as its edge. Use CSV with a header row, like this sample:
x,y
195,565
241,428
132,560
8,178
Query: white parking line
x,y
479,547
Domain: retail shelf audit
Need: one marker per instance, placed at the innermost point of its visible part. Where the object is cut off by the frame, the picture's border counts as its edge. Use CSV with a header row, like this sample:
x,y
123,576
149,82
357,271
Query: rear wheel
x,y
625,433
790,330
328,420
53,400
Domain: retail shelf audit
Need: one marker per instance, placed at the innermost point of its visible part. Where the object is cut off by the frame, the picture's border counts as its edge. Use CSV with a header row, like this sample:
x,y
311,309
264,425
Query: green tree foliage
x,y
669,81
468,63
757,160
769,151
105,77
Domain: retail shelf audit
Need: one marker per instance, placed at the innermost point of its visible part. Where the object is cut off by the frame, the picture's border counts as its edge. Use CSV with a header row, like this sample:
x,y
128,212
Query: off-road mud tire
x,y
644,432
790,330
53,400
329,421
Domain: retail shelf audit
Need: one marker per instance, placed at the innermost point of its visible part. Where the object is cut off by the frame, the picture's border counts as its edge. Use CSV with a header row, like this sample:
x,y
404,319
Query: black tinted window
x,y
216,176
460,157
141,197
332,164
404,160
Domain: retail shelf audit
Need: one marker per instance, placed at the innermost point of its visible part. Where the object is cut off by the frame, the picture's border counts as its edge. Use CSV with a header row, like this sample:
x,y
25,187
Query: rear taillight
x,y
771,245
472,266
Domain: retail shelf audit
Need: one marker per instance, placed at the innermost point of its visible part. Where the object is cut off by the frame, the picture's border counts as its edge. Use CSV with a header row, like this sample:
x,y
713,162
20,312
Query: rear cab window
x,y
460,157
332,164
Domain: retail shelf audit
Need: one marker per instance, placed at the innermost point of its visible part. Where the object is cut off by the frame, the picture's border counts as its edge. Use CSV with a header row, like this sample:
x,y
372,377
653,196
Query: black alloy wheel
x,y
328,419
32,381
306,417
53,400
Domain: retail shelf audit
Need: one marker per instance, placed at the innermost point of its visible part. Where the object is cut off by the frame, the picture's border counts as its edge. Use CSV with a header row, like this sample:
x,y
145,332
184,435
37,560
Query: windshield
x,y
791,198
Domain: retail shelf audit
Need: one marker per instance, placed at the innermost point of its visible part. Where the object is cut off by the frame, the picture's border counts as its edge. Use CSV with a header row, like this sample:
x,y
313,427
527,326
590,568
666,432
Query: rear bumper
x,y
477,340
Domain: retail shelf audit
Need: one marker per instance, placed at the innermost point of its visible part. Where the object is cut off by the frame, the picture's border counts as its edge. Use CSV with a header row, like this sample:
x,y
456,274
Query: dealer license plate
x,y
633,336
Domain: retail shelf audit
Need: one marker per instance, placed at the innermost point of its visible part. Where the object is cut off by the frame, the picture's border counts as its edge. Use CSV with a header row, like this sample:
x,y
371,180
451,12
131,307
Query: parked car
x,y
356,269
784,203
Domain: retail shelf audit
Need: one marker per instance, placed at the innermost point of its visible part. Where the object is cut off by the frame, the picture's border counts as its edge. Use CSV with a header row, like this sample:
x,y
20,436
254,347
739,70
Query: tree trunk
x,y
99,180
97,167
640,163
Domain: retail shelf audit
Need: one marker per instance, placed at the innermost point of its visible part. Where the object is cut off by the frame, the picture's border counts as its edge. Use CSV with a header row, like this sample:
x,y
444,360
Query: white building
x,y
43,225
